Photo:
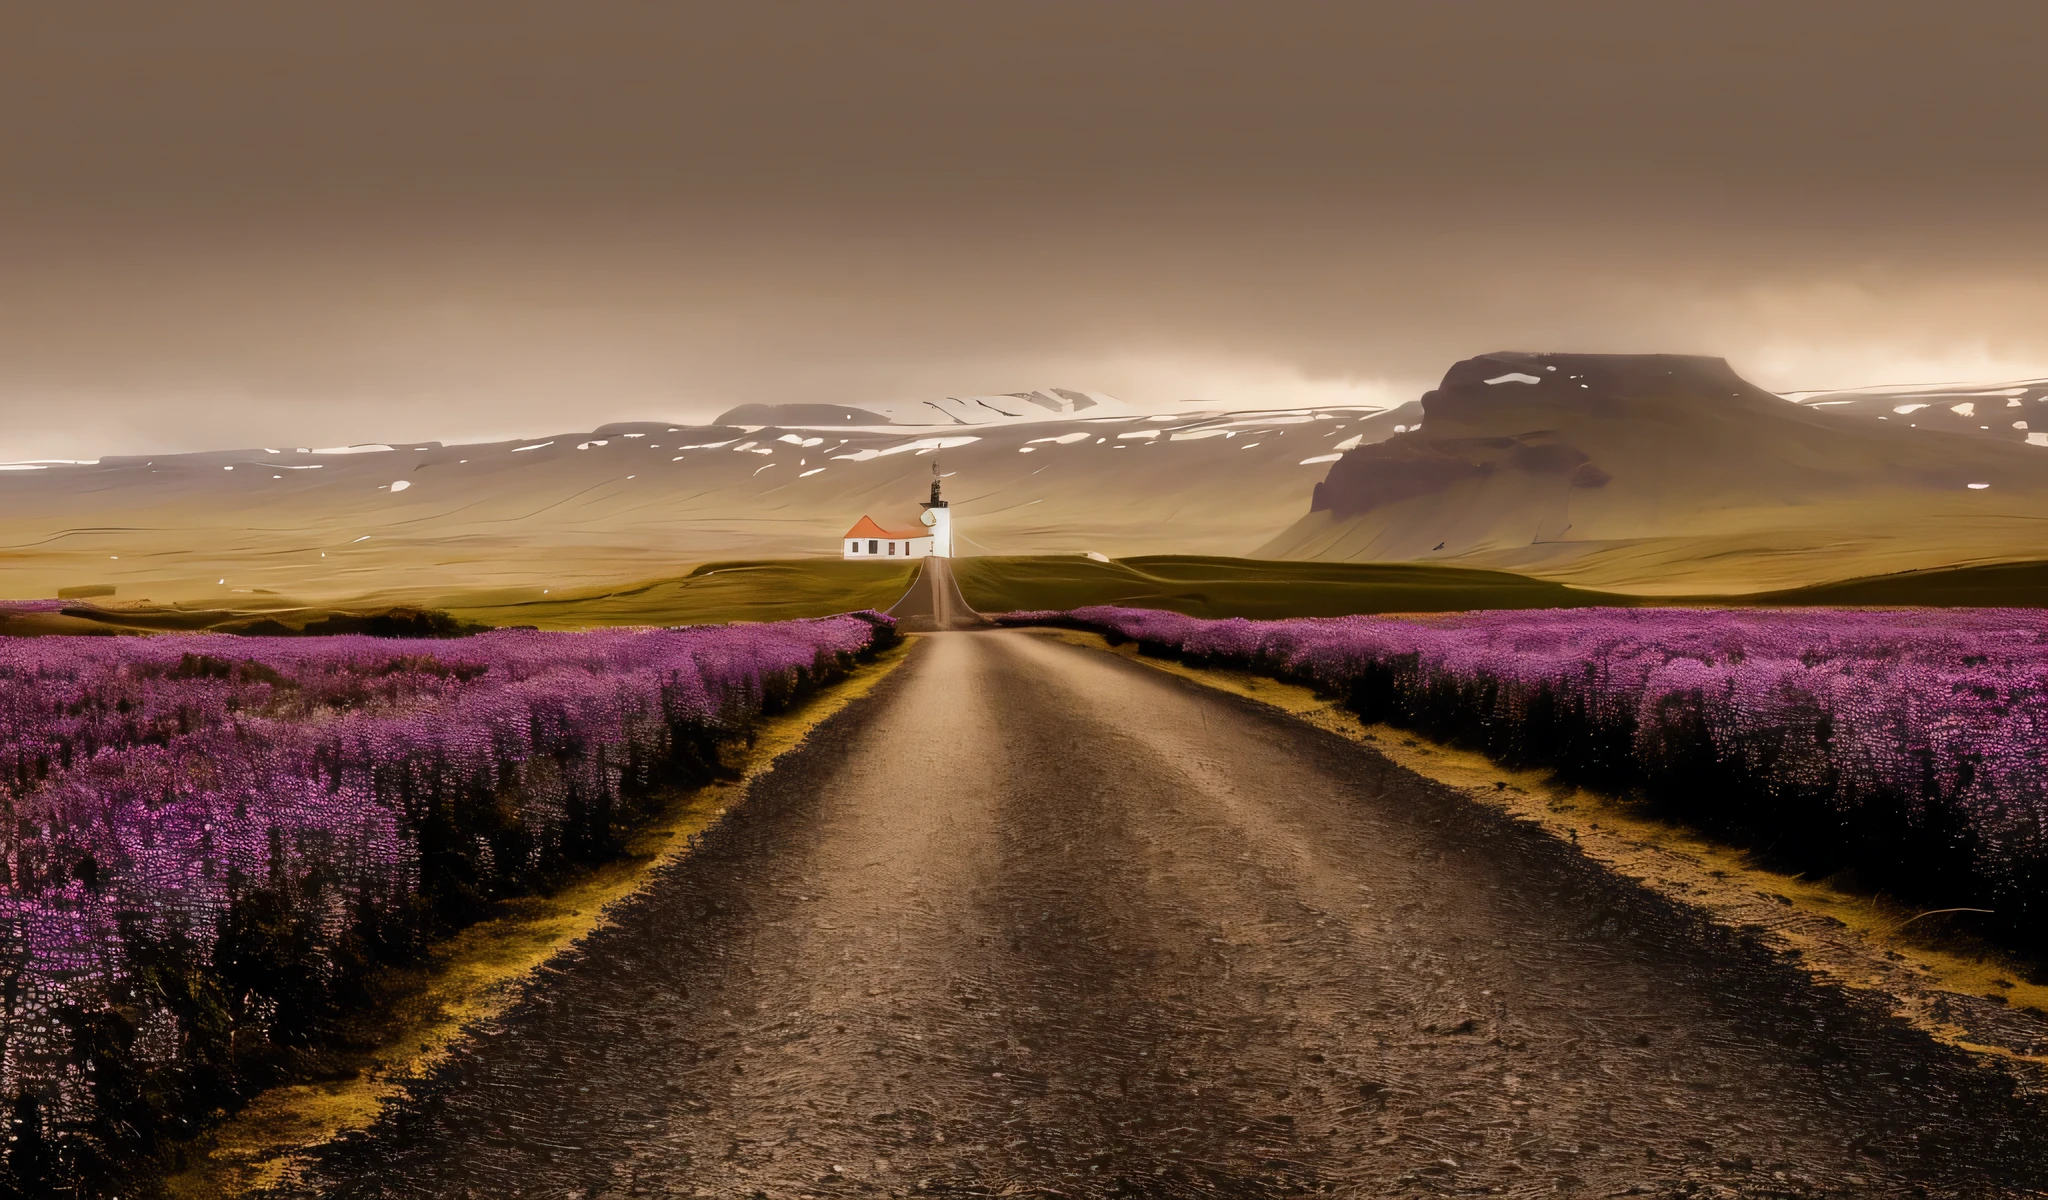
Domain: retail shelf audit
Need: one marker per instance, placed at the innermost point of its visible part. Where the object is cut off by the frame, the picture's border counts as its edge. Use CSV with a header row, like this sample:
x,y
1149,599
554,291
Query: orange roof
x,y
866,528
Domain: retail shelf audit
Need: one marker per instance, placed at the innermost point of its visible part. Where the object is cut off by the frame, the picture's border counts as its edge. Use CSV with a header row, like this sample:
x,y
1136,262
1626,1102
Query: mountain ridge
x,y
1577,466
421,521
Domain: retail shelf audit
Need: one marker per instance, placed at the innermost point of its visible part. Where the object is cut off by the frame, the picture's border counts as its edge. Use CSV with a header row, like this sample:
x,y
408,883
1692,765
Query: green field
x,y
87,619
1200,586
714,593
1241,587
2000,585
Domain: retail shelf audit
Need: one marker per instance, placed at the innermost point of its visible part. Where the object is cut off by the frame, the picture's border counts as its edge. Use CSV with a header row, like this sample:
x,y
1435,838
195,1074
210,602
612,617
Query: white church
x,y
868,539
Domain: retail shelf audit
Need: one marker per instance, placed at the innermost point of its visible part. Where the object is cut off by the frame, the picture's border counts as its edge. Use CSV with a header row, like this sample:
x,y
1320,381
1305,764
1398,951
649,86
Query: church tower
x,y
939,519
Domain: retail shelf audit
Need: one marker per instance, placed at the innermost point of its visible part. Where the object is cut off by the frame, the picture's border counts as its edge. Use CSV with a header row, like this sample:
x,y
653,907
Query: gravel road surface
x,y
1035,920
934,601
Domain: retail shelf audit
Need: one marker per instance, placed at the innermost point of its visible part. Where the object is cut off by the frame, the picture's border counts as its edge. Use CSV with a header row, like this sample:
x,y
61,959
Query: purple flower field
x,y
1909,748
210,841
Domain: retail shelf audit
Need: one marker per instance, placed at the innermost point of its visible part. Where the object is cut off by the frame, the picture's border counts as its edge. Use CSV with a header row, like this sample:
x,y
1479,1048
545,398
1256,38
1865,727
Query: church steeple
x,y
867,538
938,518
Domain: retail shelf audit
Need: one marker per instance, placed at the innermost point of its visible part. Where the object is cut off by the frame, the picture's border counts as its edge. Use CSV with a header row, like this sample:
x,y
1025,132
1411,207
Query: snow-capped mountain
x,y
1008,408
2006,412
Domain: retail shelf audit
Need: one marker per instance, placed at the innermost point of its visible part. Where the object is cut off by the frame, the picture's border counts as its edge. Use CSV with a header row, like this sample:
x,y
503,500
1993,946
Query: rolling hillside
x,y
524,520
1646,474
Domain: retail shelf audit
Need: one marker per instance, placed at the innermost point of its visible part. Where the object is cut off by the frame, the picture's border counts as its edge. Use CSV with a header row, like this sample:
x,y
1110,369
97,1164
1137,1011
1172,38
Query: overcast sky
x,y
230,225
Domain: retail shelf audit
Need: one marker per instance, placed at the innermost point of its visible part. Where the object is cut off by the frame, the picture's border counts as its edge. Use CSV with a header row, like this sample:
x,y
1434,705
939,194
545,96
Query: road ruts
x,y
934,601
1035,920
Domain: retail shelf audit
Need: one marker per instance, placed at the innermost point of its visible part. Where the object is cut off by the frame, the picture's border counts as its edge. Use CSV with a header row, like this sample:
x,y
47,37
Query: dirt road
x,y
934,601
1036,920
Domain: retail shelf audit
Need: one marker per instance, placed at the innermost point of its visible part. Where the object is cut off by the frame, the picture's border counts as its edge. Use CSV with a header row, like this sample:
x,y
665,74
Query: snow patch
x,y
920,446
371,448
1267,421
1516,377
1904,409
399,485
1321,458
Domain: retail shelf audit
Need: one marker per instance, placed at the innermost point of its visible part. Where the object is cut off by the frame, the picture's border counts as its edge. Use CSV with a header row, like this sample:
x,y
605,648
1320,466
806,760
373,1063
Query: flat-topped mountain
x,y
1666,472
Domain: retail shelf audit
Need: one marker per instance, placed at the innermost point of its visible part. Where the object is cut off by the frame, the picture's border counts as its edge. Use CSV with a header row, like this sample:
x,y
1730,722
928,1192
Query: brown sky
x,y
252,223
